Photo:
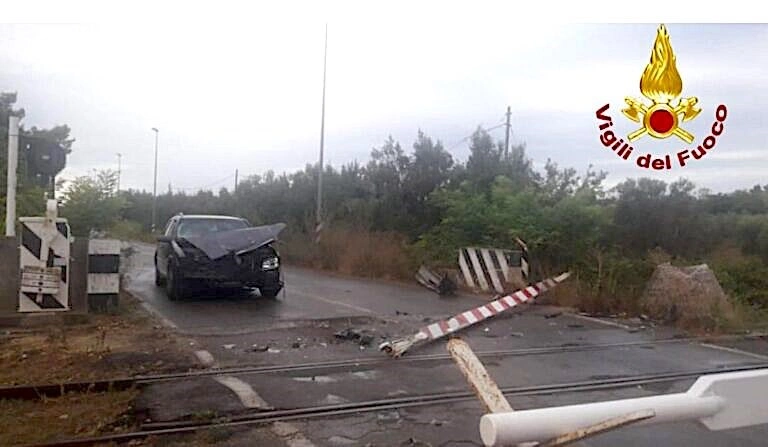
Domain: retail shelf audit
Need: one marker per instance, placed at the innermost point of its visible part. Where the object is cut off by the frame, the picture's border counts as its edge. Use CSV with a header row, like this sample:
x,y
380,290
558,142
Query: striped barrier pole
x,y
398,347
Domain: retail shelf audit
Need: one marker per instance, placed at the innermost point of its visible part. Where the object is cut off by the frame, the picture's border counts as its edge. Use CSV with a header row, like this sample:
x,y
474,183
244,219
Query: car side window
x,y
171,227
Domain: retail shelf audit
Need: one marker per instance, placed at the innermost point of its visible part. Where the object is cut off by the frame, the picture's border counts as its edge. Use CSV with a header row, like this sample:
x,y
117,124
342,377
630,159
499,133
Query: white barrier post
x,y
719,401
13,163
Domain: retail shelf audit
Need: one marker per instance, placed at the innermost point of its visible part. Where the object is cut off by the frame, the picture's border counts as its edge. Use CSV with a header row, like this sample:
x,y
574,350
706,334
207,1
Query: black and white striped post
x,y
524,260
44,262
103,274
494,268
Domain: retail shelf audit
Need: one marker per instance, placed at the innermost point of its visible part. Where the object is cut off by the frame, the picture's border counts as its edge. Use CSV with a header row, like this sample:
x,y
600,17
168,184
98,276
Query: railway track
x,y
31,392
263,417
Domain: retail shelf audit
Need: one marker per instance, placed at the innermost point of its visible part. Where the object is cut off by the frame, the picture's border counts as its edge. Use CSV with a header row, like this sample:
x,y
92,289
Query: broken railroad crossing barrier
x,y
434,331
440,285
718,401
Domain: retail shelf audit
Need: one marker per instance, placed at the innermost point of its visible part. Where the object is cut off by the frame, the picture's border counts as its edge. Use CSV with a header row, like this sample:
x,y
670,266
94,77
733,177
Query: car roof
x,y
208,216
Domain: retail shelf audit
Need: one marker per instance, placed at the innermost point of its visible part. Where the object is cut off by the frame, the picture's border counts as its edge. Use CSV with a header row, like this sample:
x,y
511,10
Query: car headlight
x,y
270,264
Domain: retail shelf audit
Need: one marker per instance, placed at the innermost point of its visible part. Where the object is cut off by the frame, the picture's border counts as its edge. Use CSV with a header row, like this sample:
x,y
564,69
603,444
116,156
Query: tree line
x,y
569,219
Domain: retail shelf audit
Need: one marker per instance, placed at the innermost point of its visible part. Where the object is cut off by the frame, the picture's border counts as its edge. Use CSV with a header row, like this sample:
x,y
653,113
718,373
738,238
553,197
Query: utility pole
x,y
235,181
506,140
119,166
318,218
154,188
13,163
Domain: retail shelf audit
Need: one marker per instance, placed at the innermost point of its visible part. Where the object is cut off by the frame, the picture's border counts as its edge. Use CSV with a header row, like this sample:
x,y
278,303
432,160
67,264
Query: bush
x,y
746,280
127,230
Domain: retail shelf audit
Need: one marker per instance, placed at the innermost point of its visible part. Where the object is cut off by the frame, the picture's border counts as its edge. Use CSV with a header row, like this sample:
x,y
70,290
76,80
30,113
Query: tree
x,y
484,160
90,203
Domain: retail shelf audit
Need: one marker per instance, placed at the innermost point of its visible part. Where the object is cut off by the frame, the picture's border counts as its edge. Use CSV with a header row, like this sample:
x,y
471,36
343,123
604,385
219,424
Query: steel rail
x,y
31,392
263,417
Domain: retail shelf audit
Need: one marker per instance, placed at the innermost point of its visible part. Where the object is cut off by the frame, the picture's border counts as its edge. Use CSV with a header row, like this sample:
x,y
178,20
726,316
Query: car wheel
x,y
159,280
269,292
174,284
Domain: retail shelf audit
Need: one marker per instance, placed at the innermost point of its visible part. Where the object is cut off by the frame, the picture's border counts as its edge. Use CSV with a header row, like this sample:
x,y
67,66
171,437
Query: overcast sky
x,y
247,95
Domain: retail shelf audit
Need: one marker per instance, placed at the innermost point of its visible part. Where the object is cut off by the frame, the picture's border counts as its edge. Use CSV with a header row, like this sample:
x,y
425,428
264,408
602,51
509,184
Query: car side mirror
x,y
164,239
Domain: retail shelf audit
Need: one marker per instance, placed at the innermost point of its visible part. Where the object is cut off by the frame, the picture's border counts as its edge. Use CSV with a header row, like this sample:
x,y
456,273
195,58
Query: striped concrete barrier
x,y
494,268
103,274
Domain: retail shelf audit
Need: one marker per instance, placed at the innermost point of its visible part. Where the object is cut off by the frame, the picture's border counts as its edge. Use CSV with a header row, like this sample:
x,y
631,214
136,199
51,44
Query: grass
x,y
72,415
97,347
101,346
352,252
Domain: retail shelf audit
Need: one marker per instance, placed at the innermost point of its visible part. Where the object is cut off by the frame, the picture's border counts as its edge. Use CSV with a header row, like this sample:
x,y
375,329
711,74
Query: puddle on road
x,y
333,399
364,375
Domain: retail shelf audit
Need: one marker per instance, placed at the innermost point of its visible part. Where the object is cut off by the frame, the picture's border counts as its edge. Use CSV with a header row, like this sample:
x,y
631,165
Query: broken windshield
x,y
202,227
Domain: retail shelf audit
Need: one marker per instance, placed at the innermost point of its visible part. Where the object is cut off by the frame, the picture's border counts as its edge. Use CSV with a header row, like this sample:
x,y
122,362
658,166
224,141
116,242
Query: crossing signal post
x,y
44,160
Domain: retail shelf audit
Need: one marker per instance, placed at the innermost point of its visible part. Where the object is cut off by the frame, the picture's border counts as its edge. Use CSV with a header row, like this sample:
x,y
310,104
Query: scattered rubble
x,y
363,337
388,416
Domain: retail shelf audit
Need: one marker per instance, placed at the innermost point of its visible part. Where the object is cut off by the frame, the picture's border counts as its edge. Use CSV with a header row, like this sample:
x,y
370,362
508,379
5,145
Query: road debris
x,y
388,416
363,337
229,346
398,347
442,285
553,315
413,442
273,351
257,348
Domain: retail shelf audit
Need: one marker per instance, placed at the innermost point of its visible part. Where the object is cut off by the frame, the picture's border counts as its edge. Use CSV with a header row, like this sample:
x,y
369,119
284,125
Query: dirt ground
x,y
128,343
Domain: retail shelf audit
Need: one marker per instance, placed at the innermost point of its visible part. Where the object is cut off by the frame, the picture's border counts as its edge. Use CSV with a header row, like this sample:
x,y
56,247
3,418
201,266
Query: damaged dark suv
x,y
217,251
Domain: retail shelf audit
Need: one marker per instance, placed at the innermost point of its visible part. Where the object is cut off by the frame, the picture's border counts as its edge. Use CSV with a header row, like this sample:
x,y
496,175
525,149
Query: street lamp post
x,y
154,187
119,169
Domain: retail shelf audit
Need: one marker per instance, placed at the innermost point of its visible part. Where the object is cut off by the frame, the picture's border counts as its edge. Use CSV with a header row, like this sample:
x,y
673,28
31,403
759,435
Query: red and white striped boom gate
x,y
434,331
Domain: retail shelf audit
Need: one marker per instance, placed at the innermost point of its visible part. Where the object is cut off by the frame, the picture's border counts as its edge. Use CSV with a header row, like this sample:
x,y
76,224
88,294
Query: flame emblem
x,y
662,84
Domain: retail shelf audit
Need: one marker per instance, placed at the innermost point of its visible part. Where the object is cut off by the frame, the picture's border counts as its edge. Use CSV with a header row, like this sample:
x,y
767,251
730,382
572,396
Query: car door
x,y
164,247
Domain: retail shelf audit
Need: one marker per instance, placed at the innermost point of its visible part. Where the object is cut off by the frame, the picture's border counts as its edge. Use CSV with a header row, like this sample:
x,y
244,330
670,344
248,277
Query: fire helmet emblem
x,y
661,83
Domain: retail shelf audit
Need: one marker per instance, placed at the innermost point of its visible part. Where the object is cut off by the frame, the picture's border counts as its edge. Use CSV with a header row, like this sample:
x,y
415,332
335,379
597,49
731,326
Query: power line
x,y
463,140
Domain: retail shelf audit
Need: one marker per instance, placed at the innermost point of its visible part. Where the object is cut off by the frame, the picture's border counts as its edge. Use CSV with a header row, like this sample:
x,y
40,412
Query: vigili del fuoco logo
x,y
664,116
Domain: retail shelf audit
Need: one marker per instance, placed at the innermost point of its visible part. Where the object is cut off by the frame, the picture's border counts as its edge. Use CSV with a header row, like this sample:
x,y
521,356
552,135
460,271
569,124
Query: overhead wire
x,y
463,140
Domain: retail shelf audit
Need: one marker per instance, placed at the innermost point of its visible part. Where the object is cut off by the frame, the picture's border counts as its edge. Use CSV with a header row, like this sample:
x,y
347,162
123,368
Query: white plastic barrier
x,y
719,401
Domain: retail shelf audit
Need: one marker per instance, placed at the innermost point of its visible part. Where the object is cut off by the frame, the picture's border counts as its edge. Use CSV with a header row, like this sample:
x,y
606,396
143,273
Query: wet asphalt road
x,y
299,327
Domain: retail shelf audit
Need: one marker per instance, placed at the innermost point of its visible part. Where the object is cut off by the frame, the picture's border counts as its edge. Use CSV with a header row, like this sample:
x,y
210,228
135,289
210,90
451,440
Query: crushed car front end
x,y
256,268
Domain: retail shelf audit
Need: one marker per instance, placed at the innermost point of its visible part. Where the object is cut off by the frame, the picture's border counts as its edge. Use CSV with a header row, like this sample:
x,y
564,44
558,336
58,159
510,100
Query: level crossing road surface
x,y
319,316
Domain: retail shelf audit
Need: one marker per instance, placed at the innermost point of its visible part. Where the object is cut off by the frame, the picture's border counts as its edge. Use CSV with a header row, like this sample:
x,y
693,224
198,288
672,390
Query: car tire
x,y
159,280
174,285
269,292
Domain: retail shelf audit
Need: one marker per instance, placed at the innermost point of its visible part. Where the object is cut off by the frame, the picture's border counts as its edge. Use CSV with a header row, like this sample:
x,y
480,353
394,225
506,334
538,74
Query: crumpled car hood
x,y
218,245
